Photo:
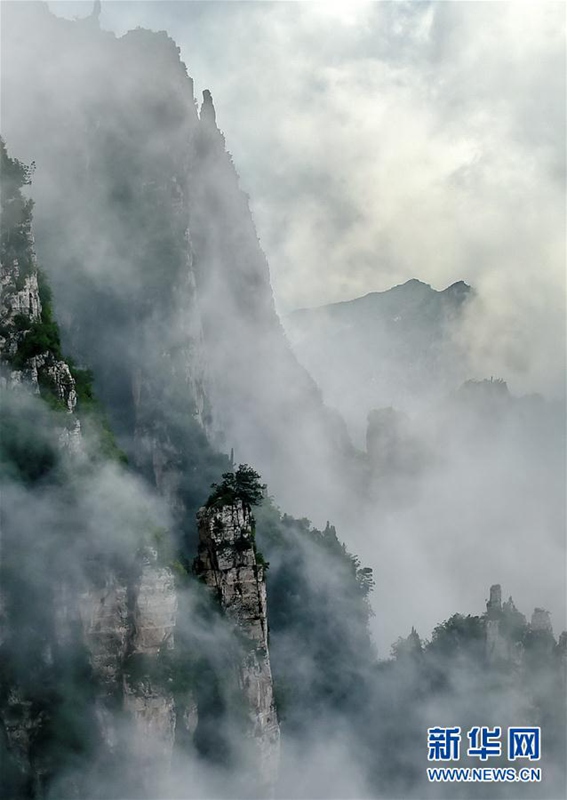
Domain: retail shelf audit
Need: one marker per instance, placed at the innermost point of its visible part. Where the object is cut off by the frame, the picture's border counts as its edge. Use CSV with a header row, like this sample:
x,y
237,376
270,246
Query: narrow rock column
x,y
227,562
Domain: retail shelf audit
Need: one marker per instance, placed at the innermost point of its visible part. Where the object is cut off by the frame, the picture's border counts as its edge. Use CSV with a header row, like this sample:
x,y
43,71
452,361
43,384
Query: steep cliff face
x,y
109,617
256,386
153,707
172,306
117,619
110,605
121,265
30,352
123,620
22,315
229,564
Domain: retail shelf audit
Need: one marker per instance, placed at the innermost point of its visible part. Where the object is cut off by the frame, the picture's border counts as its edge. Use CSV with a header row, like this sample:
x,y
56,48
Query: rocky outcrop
x,y
105,621
123,620
541,620
229,564
155,607
23,318
154,715
151,704
497,646
15,299
508,635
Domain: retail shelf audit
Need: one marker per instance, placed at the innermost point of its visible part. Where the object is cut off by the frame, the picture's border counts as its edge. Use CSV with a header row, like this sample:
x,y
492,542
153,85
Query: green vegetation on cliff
x,y
243,485
39,339
318,613
16,217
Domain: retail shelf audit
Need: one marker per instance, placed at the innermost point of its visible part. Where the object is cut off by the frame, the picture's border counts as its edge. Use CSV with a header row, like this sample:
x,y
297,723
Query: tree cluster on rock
x,y
243,485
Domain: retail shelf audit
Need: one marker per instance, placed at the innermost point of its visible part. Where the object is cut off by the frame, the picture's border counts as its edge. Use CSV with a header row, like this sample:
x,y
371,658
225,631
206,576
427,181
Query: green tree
x,y
243,485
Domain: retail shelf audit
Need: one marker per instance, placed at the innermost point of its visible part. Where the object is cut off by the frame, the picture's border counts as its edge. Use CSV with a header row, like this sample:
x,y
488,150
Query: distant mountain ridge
x,y
458,291
385,348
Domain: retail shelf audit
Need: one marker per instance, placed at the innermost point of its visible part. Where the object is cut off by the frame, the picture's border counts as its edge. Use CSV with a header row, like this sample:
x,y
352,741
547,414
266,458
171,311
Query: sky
x,y
383,141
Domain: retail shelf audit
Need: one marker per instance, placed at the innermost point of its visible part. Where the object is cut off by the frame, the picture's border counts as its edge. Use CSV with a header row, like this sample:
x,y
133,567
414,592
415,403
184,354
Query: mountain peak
x,y
459,287
413,282
413,286
459,290
208,113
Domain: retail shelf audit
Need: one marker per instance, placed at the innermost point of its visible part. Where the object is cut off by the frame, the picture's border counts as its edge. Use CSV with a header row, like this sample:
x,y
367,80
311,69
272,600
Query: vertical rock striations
x,y
229,564
30,351
151,703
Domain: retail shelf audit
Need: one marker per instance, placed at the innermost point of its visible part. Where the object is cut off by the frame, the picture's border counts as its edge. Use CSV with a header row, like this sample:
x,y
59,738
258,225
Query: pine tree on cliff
x,y
243,485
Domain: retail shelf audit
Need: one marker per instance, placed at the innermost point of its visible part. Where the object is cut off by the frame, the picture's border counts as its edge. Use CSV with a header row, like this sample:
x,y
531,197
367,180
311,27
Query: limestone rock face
x,y
155,607
152,706
127,618
154,733
115,616
15,300
168,382
20,306
21,310
106,624
228,561
228,564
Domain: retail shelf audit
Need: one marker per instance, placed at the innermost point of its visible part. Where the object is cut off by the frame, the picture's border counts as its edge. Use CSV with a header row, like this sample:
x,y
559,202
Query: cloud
x,y
378,143
385,141
419,139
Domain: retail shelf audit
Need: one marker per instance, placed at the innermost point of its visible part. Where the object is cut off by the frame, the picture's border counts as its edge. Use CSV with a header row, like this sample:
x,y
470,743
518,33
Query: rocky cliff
x,y
229,564
111,605
30,353
116,661
172,307
508,633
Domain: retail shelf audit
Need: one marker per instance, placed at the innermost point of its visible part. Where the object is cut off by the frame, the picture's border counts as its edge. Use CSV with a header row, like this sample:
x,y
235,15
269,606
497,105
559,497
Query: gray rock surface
x,y
228,564
20,310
